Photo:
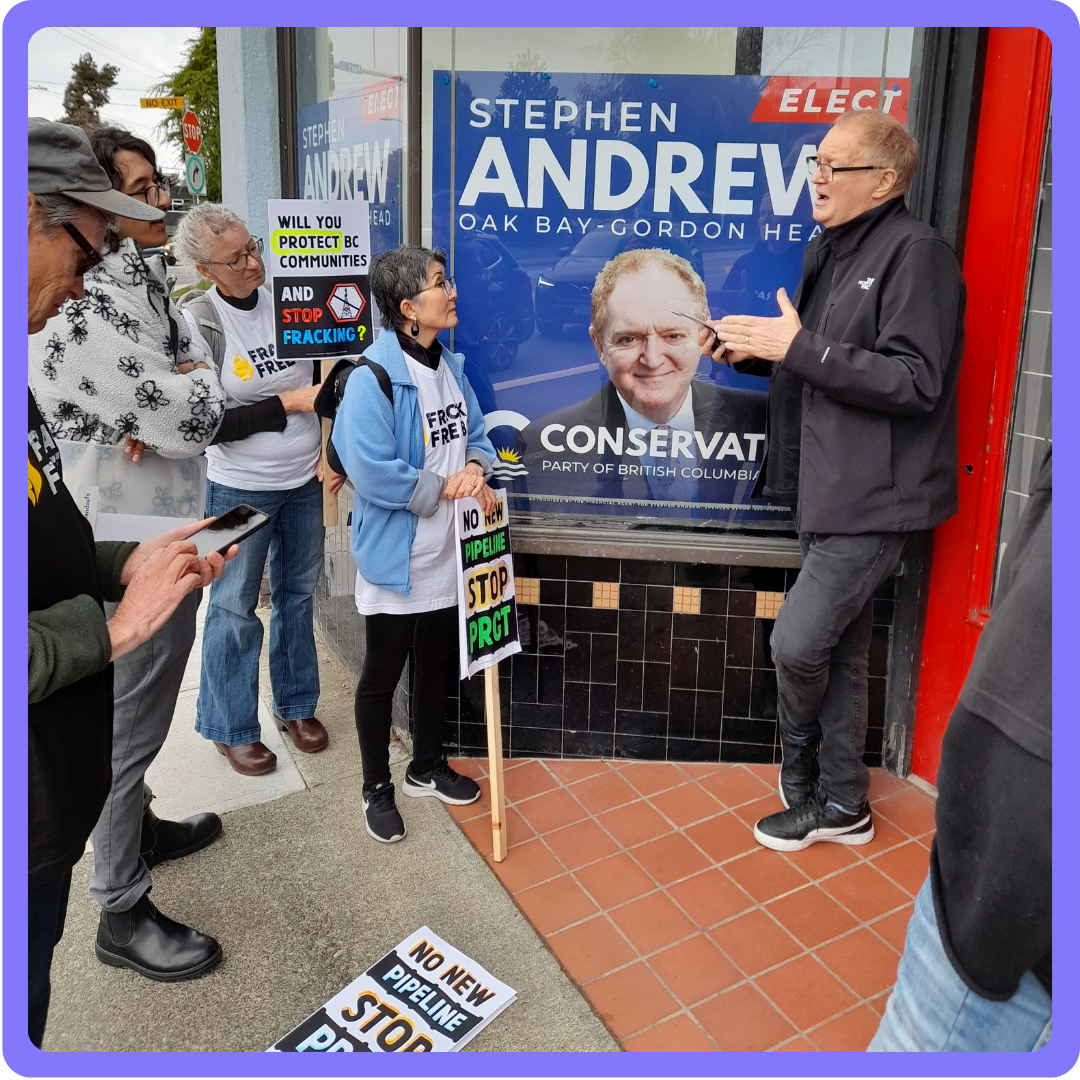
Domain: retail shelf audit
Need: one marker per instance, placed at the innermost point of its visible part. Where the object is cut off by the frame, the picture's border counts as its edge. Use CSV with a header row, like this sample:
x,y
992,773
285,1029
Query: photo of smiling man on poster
x,y
653,434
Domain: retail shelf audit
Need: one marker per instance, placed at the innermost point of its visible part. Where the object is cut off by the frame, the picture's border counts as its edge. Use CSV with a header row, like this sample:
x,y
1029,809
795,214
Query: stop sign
x,y
192,131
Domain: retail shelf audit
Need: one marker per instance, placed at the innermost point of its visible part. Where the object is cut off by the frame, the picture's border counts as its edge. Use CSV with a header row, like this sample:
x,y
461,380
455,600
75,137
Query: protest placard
x,y
422,996
487,627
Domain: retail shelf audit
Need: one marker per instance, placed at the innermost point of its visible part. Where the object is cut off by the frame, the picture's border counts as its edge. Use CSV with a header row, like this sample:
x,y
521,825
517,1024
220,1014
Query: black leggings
x,y
433,636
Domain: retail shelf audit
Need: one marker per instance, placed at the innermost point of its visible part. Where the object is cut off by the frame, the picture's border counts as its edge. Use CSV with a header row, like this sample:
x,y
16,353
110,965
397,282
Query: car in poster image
x,y
494,304
564,291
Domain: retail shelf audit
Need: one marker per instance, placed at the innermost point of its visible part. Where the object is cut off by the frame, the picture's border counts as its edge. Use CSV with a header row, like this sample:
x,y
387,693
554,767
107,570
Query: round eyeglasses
x,y
152,195
253,251
447,285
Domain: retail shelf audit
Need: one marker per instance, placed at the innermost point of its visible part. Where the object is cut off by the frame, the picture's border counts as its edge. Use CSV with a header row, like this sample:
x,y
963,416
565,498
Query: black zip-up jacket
x,y
877,443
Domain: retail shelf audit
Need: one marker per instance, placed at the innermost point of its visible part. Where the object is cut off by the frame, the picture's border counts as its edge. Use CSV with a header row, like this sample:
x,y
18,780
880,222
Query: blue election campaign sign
x,y
559,175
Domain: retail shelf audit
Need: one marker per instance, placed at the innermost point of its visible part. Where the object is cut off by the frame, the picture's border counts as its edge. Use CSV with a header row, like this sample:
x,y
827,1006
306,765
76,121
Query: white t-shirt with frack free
x,y
432,561
250,372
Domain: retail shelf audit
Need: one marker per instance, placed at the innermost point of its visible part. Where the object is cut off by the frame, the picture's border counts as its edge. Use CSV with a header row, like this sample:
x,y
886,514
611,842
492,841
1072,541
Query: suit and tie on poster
x,y
592,219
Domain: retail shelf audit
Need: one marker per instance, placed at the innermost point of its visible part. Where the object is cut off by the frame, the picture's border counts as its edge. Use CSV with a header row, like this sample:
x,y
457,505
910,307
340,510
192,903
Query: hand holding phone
x,y
233,526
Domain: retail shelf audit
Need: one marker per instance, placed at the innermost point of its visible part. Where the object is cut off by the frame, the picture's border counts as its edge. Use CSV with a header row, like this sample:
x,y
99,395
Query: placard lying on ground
x,y
487,608
421,996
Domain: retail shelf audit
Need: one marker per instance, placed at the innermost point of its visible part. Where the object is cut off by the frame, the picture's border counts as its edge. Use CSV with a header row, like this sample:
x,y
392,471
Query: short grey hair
x,y
55,211
885,143
198,225
400,274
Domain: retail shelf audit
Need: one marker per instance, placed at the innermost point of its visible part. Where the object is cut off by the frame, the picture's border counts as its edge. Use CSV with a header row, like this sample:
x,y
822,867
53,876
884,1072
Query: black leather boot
x,y
799,768
154,945
163,840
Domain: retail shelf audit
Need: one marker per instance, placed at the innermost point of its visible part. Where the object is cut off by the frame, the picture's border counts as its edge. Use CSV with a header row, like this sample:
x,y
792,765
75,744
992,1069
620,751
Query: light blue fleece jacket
x,y
382,449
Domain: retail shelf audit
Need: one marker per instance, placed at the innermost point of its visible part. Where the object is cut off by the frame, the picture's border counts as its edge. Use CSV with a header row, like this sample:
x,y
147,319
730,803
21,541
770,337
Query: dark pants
x,y
821,649
45,917
433,637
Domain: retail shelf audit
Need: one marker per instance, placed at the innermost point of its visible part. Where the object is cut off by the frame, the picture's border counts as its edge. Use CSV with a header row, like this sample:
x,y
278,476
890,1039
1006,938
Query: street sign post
x,y
161,103
192,131
195,171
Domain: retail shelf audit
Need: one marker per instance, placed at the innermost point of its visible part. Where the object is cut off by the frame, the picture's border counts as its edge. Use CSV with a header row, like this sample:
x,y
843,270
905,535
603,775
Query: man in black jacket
x,y
862,427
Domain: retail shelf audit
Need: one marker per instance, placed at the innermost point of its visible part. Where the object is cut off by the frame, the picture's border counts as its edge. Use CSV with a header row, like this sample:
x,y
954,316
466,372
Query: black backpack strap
x,y
333,390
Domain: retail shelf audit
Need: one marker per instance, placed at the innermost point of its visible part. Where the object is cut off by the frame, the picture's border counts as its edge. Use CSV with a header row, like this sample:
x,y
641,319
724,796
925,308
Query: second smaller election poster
x,y
422,996
487,608
318,258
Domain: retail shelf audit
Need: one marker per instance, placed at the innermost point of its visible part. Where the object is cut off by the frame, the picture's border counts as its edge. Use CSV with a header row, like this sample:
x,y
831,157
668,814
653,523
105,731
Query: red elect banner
x,y
382,100
805,100
192,131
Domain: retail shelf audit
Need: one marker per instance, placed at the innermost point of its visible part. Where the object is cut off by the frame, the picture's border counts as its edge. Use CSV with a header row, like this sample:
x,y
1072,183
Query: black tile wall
x,y
641,681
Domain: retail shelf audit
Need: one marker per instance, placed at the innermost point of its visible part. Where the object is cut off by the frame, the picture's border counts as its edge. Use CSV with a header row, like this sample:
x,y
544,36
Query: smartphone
x,y
233,526
701,322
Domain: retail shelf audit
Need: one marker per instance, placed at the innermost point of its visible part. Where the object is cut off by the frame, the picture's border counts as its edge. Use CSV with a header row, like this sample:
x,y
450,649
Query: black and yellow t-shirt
x,y
70,731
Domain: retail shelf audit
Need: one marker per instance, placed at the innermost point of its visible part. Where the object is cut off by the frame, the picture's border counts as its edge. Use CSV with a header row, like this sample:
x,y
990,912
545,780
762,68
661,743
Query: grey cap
x,y
61,163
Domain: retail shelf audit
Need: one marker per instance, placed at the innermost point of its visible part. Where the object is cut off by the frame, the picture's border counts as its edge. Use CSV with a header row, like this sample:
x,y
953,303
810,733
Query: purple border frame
x,y
1060,24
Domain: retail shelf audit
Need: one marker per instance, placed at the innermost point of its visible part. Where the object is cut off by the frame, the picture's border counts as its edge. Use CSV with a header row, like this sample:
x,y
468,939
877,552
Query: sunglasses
x,y
91,256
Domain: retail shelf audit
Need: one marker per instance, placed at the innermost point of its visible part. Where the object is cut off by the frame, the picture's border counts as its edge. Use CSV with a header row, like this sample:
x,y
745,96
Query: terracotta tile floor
x,y
647,884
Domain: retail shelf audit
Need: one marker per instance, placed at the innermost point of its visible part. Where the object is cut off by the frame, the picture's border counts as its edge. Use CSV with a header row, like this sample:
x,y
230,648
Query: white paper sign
x,y
422,996
487,605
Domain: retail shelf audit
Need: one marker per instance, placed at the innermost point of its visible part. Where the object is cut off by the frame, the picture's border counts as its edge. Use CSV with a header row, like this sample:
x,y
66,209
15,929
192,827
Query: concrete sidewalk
x,y
302,901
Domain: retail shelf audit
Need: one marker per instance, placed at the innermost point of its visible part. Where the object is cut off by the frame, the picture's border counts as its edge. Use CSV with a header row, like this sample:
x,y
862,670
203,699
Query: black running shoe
x,y
798,769
441,783
812,821
381,817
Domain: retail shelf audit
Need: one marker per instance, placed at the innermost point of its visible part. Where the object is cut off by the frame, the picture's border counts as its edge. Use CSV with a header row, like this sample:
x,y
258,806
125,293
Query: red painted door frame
x,y
997,254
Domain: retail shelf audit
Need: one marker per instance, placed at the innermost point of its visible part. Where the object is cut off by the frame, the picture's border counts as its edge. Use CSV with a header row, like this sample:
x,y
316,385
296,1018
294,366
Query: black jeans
x,y
433,636
821,649
45,917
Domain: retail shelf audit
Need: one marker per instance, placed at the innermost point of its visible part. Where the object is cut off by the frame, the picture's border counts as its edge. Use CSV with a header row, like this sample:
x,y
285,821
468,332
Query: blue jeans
x,y
932,1009
228,708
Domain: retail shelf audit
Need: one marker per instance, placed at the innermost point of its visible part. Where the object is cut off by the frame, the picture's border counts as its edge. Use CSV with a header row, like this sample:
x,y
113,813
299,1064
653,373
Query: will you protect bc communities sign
x,y
318,258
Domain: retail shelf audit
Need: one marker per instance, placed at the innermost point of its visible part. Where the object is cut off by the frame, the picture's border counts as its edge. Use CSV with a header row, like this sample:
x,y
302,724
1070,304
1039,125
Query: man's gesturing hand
x,y
747,336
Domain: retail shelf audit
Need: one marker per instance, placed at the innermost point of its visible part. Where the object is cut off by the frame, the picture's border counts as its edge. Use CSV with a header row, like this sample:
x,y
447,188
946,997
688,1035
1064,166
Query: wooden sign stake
x,y
329,498
493,711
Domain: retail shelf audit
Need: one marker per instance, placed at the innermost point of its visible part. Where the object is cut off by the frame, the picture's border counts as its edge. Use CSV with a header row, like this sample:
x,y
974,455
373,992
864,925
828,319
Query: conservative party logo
x,y
508,464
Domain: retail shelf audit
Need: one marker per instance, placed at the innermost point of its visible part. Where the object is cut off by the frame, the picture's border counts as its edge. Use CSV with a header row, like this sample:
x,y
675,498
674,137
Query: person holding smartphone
x,y
408,460
118,367
268,460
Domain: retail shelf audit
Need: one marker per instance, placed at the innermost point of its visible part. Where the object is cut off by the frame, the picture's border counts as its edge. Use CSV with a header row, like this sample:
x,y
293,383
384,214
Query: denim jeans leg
x,y
228,706
931,1009
296,559
833,590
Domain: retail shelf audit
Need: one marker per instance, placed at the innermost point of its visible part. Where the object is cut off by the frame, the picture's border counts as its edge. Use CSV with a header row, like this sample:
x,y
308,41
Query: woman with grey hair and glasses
x,y
268,459
408,459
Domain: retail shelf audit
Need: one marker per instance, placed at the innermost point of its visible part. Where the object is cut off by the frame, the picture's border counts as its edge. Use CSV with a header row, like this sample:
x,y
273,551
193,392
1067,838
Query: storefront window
x,y
553,153
351,121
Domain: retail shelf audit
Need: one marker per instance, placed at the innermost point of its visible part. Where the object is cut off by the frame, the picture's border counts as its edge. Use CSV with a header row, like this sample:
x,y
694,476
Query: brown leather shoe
x,y
308,735
249,759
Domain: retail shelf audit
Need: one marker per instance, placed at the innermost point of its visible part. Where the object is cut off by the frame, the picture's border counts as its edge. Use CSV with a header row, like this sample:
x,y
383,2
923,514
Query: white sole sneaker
x,y
416,790
855,836
383,839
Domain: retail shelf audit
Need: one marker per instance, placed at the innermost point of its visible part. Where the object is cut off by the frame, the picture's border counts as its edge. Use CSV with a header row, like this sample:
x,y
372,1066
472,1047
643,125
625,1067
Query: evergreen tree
x,y
197,81
87,91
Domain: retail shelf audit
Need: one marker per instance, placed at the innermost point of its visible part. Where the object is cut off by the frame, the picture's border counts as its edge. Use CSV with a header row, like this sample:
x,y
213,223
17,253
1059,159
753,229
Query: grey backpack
x,y
198,303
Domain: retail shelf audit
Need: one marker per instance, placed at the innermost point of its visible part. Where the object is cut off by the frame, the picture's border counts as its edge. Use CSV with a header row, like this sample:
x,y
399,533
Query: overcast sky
x,y
144,56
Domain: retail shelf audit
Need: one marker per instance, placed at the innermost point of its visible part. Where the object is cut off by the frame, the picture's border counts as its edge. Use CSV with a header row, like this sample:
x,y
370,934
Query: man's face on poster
x,y
650,354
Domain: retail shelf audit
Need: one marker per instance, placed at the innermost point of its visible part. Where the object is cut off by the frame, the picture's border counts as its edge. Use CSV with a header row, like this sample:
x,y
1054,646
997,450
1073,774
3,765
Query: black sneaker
x,y
798,769
381,817
441,783
801,826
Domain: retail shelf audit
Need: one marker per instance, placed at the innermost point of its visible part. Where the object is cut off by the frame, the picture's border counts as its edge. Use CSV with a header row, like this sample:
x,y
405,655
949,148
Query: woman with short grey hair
x,y
408,458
